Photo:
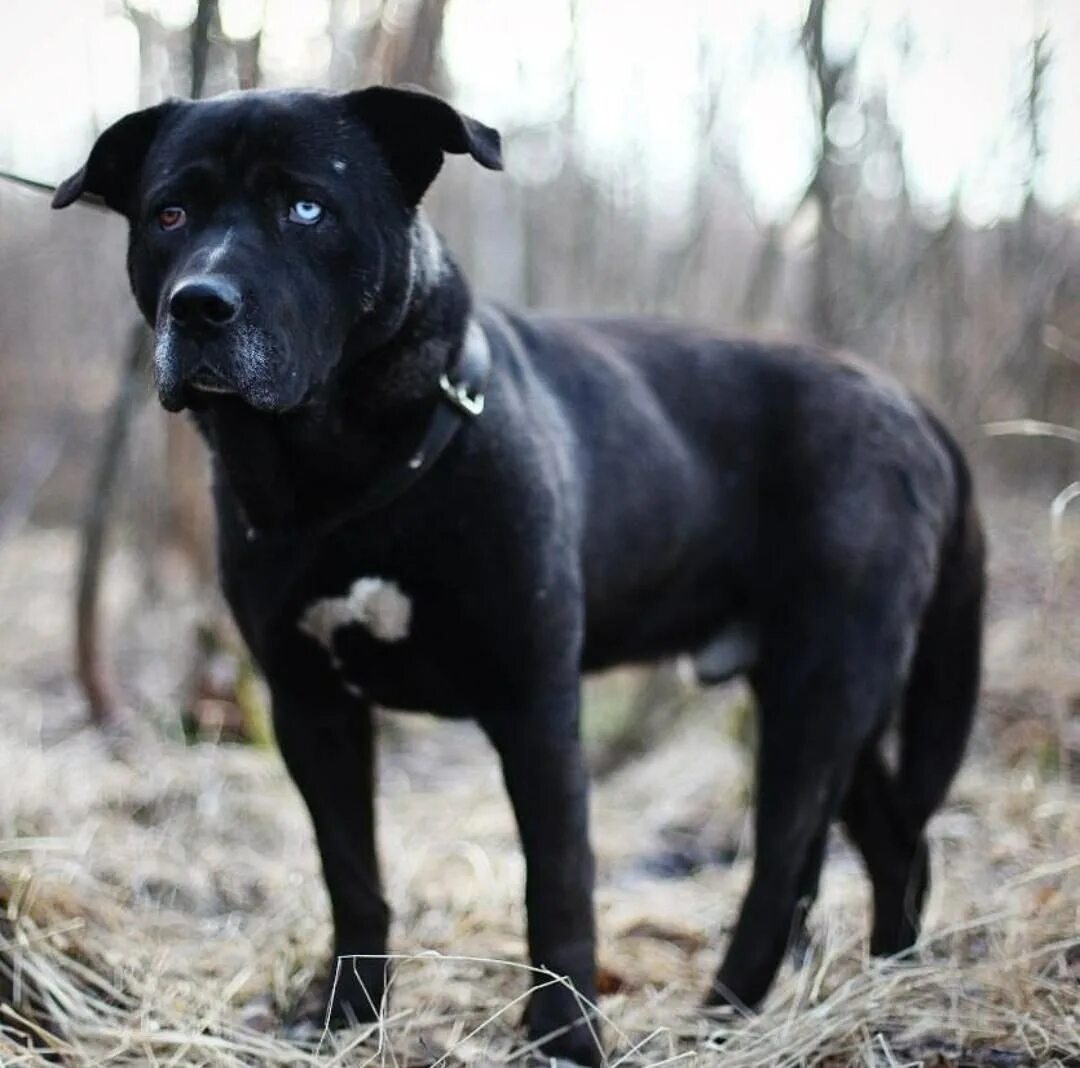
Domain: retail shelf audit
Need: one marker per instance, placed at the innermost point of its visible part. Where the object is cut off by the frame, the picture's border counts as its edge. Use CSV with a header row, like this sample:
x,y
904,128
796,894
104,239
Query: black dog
x,y
427,504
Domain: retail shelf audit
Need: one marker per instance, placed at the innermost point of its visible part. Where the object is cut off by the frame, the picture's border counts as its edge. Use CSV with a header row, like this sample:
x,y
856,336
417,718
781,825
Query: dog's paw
x,y
564,1029
354,993
722,1002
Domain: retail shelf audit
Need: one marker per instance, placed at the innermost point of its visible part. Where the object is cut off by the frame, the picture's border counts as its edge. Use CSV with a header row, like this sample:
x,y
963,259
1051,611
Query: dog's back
x,y
716,474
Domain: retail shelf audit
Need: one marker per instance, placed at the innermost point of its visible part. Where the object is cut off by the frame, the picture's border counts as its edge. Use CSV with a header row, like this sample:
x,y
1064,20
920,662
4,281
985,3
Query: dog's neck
x,y
380,381
278,467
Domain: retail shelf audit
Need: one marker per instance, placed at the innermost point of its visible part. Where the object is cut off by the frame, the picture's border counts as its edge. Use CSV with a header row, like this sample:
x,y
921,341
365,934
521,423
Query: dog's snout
x,y
209,302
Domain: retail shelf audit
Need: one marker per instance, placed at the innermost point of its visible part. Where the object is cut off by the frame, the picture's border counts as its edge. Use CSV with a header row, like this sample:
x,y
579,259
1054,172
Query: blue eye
x,y
305,212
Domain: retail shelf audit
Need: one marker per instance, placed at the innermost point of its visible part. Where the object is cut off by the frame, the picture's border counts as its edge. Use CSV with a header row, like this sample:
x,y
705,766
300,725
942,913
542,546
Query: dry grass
x,y
166,908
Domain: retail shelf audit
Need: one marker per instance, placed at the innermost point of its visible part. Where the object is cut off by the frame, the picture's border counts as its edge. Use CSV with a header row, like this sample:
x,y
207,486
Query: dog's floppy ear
x,y
413,129
112,169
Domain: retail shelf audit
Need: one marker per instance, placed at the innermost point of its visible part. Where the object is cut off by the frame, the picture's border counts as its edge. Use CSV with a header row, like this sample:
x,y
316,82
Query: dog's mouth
x,y
207,380
195,372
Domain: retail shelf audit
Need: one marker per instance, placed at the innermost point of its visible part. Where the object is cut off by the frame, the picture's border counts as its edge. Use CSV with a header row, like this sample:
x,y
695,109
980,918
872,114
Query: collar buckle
x,y
458,394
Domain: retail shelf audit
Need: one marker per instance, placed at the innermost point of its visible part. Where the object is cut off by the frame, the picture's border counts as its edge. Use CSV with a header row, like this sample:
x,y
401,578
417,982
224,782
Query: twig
x,y
1034,428
91,668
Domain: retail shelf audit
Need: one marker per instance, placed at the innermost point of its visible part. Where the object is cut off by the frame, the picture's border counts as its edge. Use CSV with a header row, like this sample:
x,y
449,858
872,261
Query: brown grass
x,y
166,909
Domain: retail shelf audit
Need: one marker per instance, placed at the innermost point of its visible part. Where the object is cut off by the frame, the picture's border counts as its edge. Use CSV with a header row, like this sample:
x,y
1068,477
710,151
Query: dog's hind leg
x,y
800,781
828,672
942,692
886,814
894,850
809,881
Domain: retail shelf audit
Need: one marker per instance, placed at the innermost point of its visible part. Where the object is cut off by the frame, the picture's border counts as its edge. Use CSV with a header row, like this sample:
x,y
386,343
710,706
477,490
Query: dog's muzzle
x,y
191,335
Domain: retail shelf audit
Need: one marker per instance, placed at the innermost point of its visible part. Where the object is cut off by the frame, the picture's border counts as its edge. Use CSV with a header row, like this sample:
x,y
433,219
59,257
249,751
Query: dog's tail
x,y
943,685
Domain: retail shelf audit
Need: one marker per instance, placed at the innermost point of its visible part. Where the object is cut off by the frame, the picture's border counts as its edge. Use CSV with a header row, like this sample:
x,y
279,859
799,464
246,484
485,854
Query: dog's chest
x,y
377,605
376,637
401,620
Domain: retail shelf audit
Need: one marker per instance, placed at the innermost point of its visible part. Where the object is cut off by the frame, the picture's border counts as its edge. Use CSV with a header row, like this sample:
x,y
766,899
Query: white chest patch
x,y
373,603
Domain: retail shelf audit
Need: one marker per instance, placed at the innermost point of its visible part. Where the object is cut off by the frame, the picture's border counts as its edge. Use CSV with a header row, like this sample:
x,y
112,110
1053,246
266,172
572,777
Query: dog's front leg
x,y
544,769
327,740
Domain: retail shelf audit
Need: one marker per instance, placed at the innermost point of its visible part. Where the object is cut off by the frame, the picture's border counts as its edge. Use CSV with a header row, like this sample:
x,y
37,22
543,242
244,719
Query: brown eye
x,y
172,218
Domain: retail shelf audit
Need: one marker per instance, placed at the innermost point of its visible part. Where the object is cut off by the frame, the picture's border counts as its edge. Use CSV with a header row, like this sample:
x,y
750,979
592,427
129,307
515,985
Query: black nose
x,y
207,302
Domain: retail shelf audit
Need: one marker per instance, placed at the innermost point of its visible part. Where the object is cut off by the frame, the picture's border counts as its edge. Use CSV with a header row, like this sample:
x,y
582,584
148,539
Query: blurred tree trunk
x,y
1040,274
189,513
92,666
762,279
826,284
407,51
1041,267
247,61
205,14
947,272
1030,251
683,262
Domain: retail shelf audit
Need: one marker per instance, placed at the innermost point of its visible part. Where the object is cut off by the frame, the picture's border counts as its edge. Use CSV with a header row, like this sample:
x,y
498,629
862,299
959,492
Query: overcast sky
x,y
952,71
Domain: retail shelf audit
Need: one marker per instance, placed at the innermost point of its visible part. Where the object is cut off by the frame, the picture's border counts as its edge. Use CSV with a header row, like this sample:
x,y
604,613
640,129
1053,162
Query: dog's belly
x,y
656,617
729,651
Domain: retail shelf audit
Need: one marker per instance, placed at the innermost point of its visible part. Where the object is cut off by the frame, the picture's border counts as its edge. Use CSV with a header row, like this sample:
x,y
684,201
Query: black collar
x,y
461,399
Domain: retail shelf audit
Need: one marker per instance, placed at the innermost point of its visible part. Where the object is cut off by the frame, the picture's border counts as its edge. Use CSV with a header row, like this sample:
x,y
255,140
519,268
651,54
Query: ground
x,y
160,903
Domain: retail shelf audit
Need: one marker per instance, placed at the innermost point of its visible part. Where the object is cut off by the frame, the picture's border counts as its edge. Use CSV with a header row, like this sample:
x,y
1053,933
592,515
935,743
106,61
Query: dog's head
x,y
267,228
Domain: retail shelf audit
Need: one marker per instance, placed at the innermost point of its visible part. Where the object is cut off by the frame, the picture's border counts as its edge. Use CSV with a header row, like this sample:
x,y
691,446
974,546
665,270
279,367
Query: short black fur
x,y
633,490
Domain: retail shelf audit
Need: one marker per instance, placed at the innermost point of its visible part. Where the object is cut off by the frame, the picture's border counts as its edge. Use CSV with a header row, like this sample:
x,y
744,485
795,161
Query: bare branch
x,y
91,665
1031,428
